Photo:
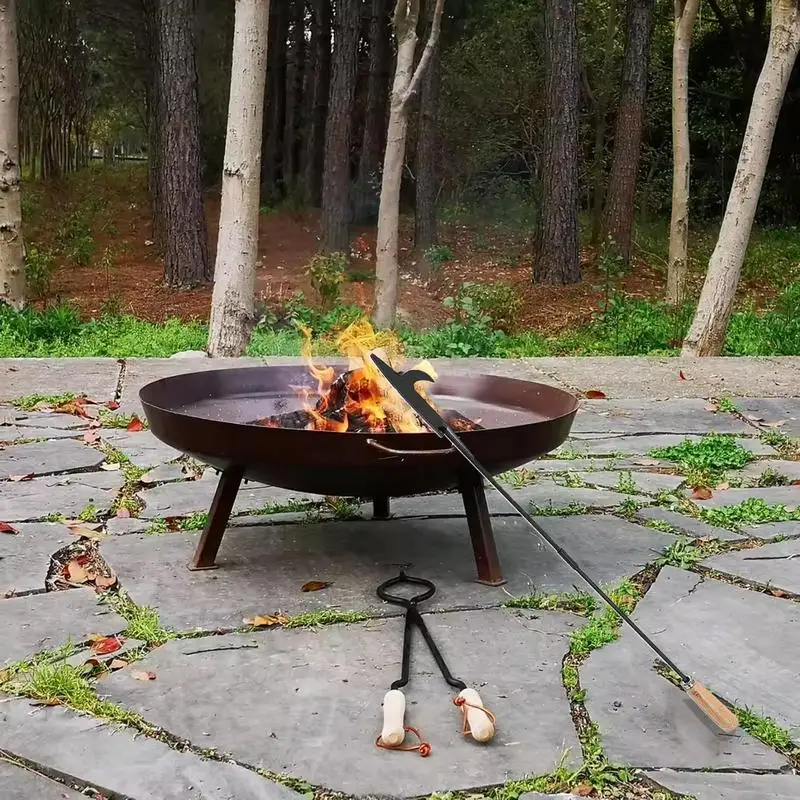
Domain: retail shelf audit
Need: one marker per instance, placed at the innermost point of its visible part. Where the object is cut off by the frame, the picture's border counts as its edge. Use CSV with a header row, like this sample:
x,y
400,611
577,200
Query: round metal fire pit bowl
x,y
212,416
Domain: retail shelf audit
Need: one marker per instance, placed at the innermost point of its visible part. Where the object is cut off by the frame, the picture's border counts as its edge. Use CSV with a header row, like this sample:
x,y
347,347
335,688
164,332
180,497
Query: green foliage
x,y
438,255
769,732
40,264
686,552
752,511
603,627
327,273
577,602
498,302
707,458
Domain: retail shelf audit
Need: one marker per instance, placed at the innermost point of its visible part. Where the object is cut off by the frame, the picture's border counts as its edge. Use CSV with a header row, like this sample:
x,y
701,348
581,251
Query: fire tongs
x,y
478,721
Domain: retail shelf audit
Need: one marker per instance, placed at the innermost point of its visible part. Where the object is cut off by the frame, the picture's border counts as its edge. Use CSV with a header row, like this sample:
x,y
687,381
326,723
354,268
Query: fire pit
x,y
259,424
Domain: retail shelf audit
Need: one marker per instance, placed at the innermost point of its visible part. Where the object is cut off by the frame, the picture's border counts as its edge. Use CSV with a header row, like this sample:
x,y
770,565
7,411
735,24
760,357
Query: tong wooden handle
x,y
713,708
479,721
394,712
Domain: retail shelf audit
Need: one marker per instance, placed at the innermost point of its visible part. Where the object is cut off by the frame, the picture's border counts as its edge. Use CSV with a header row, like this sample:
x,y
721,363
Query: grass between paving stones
x,y
752,511
111,419
517,478
769,732
788,447
661,525
769,477
705,461
31,402
686,552
569,510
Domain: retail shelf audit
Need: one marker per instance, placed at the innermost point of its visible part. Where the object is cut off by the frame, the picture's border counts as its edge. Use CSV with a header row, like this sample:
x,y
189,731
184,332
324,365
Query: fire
x,y
360,399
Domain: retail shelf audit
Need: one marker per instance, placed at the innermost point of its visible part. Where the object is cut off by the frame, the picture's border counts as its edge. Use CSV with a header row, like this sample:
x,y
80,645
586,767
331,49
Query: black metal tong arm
x,y
413,617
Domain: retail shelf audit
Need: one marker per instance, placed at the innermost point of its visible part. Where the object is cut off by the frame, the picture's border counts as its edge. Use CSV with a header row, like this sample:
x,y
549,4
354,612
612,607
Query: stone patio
x,y
250,713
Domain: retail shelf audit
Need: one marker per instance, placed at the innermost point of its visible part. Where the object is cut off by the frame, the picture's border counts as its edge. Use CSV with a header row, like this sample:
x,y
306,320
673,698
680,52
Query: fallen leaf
x,y
105,581
702,493
681,376
91,436
595,394
111,466
117,663
794,483
6,528
265,622
135,425
87,532
50,701
112,405
315,586
76,406
123,513
779,424
4,675
79,523
713,407
106,645
583,790
95,637
143,676
777,593
76,573
722,487
18,478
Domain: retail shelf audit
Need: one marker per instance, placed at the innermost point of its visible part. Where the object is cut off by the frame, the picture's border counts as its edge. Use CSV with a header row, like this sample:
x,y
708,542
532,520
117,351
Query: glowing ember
x,y
359,400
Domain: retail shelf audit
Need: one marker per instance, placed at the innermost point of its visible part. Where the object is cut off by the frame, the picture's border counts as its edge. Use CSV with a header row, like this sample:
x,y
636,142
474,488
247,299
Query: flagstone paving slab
x,y
727,786
261,570
94,377
22,784
742,644
310,694
177,499
25,557
789,469
776,564
47,458
165,473
680,415
644,482
14,433
41,419
39,622
788,496
142,448
58,494
642,445
595,464
780,409
771,530
117,762
685,524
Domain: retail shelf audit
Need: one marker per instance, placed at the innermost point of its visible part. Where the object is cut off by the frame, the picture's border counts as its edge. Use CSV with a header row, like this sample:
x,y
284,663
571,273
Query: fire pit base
x,y
470,485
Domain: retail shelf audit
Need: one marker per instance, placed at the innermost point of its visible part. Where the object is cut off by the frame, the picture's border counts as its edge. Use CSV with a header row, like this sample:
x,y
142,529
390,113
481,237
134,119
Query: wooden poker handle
x,y
713,708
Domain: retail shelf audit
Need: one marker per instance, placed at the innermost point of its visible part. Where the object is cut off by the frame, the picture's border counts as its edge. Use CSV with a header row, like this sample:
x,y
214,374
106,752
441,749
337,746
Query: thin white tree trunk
x,y
232,304
685,15
12,253
406,83
706,335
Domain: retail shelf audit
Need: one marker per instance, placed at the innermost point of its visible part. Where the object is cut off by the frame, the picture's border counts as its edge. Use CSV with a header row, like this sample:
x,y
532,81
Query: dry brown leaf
x,y
702,493
86,532
91,436
794,483
315,586
106,645
6,528
117,663
18,478
135,425
721,487
112,405
777,593
141,675
4,675
105,581
76,573
268,621
713,407
595,394
583,790
681,376
79,523
123,513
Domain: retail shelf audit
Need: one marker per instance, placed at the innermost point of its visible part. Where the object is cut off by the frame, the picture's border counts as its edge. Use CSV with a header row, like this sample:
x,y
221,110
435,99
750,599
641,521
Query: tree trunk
x,y
186,261
380,62
232,305
406,84
294,90
706,335
12,252
336,174
620,209
275,104
315,143
556,249
150,17
429,157
677,264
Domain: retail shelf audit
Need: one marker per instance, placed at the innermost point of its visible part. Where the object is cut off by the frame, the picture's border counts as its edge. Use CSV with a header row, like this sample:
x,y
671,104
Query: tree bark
x,y
380,63
706,336
186,261
677,264
294,90
314,159
232,304
406,84
620,209
556,249
275,104
150,17
429,157
336,175
12,251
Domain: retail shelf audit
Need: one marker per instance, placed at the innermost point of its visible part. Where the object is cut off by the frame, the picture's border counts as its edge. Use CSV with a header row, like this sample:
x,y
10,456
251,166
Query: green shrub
x,y
39,267
327,274
499,302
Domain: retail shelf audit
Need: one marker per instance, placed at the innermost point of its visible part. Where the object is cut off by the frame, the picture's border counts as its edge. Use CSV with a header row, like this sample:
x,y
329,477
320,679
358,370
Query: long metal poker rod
x,y
404,383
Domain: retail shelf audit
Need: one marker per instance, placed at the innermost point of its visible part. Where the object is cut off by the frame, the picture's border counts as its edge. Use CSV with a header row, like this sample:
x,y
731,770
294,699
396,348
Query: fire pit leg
x,y
480,530
221,506
381,507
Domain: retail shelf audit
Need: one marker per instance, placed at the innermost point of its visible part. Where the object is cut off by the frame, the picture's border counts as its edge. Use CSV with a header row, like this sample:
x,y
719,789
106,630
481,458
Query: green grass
x,y
569,510
769,732
788,447
707,459
603,627
517,478
328,616
752,511
687,552
577,602
31,402
89,513
194,522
